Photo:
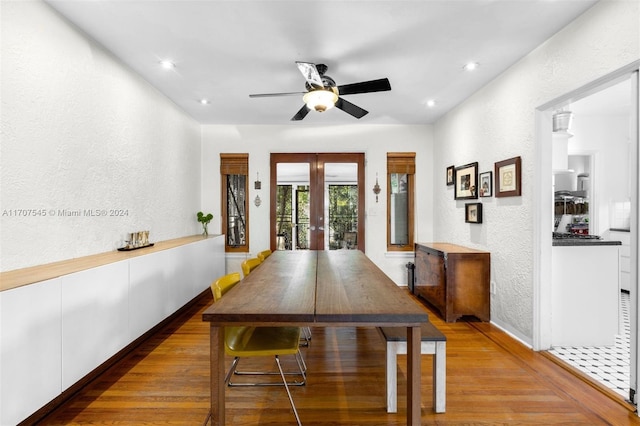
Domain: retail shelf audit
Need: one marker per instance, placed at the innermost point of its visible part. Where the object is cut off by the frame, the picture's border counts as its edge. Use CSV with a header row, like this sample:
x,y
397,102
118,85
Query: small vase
x,y
205,231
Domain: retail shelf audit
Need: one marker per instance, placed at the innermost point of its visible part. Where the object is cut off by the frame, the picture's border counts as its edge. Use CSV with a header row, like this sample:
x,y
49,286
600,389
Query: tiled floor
x,y
607,364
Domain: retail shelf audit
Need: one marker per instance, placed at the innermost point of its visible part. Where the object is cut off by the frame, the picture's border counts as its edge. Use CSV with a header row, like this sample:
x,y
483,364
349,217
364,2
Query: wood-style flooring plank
x,y
491,379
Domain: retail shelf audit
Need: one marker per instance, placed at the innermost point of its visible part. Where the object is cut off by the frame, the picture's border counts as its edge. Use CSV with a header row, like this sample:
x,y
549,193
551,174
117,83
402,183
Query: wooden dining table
x,y
341,288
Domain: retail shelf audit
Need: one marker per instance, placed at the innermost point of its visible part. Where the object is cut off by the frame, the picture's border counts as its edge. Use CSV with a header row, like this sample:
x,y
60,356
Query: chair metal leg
x,y
284,380
306,337
234,365
302,366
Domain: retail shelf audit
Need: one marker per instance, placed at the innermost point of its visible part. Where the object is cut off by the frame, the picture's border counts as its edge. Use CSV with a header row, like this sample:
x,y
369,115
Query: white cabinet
x,y
149,291
94,303
207,262
56,331
31,349
625,257
585,295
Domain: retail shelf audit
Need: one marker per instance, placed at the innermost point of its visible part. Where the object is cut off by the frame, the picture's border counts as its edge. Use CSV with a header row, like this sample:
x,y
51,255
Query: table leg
x,y
217,375
413,376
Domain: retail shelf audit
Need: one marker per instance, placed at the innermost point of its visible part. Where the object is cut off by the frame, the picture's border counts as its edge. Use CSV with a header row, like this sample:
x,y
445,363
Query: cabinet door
x,y
468,286
95,318
430,281
30,360
149,291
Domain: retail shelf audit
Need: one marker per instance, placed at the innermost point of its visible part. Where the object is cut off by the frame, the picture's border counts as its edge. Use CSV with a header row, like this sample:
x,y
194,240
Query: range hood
x,y
560,141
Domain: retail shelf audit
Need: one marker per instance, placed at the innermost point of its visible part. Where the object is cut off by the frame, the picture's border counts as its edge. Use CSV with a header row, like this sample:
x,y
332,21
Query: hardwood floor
x,y
491,379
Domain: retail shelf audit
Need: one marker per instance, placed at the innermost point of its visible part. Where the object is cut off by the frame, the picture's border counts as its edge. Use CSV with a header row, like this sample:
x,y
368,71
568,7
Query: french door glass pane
x,y
343,216
341,205
292,206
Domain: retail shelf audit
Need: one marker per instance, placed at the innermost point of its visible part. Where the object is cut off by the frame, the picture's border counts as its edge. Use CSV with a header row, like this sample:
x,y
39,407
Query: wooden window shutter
x,y
234,164
401,162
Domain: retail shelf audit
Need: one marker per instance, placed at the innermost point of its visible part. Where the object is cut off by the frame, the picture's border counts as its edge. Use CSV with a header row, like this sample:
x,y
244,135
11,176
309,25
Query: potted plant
x,y
205,219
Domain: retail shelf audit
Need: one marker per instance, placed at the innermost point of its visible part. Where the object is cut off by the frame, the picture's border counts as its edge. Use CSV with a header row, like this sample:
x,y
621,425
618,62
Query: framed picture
x,y
450,175
508,177
466,182
486,184
473,212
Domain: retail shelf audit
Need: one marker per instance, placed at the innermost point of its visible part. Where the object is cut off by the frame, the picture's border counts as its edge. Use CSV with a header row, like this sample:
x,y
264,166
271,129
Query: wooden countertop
x,y
34,274
449,248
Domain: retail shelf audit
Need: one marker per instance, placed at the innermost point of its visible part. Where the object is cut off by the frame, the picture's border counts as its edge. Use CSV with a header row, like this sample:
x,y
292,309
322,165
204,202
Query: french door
x,y
317,201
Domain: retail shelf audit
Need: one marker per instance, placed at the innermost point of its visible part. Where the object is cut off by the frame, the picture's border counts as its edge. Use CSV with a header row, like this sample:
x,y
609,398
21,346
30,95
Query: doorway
x,y
613,191
317,201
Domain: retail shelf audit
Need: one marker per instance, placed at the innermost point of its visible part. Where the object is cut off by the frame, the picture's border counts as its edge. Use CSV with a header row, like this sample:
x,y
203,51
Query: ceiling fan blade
x,y
380,85
302,113
268,95
350,108
310,73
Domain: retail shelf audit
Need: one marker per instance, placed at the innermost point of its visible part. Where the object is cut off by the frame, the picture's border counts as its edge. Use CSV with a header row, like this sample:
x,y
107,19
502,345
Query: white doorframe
x,y
635,234
542,229
543,218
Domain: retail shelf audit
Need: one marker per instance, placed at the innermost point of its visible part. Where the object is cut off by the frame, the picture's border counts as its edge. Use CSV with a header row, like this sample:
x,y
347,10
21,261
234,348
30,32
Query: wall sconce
x,y
376,188
257,184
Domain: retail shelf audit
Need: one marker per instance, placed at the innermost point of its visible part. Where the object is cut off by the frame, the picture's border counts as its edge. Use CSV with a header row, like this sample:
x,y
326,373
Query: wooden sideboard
x,y
453,279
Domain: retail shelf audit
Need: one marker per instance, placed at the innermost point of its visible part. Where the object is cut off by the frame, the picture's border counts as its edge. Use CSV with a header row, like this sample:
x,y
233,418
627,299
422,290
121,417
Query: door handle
x,y
320,228
313,228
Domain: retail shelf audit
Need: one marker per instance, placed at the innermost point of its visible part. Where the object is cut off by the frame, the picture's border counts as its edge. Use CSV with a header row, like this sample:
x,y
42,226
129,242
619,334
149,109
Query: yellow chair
x,y
264,254
224,284
249,265
247,341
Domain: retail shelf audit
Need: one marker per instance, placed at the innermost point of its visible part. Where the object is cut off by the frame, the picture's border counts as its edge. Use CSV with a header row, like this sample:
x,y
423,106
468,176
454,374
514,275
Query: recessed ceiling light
x,y
470,66
204,101
431,103
166,64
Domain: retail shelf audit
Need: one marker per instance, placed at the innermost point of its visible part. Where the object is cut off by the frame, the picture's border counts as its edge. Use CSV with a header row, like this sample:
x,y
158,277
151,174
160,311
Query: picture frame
x,y
486,184
508,177
466,182
473,213
451,170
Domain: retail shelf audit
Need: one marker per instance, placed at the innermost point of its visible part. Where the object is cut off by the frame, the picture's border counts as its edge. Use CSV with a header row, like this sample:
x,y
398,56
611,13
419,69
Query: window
x,y
234,169
400,183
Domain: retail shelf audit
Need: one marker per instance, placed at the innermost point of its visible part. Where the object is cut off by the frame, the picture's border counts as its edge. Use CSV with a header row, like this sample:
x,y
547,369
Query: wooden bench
x,y
433,342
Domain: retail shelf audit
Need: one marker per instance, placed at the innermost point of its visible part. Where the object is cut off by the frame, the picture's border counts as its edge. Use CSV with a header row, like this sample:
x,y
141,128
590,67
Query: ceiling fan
x,y
323,94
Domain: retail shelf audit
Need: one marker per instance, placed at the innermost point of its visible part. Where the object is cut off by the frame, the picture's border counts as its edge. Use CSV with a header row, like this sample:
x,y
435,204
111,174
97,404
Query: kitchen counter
x,y
585,279
563,242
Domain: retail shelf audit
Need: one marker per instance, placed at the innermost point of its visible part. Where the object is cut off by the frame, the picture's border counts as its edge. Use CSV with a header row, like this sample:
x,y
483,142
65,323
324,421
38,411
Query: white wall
x,y
80,131
607,138
498,122
374,140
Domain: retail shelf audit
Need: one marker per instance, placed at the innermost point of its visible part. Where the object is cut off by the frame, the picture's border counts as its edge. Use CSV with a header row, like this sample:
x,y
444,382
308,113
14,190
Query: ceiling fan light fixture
x,y
320,100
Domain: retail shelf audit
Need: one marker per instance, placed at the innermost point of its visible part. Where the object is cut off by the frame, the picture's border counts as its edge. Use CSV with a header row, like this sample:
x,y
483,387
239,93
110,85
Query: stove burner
x,y
565,236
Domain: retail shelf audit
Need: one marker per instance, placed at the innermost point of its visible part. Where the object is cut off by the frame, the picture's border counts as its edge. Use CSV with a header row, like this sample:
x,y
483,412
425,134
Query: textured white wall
x,y
498,122
374,140
80,132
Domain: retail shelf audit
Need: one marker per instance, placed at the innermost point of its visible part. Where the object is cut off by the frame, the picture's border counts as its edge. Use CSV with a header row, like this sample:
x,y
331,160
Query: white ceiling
x,y
226,50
